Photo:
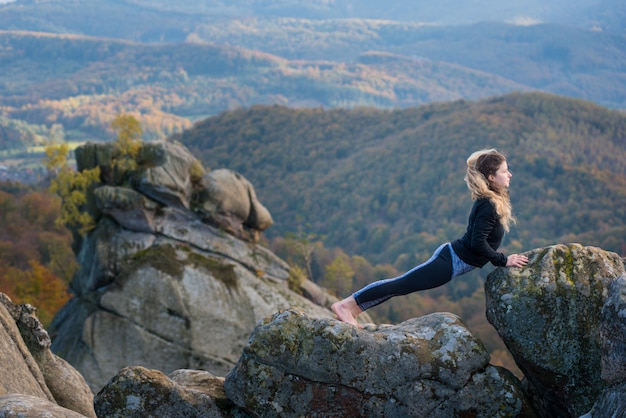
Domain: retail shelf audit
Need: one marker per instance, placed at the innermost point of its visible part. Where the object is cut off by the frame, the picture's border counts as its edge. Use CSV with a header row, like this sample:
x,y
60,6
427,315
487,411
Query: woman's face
x,y
500,180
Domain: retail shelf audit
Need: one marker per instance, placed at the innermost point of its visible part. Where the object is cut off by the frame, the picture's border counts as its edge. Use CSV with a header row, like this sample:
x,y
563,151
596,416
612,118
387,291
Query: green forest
x,y
388,184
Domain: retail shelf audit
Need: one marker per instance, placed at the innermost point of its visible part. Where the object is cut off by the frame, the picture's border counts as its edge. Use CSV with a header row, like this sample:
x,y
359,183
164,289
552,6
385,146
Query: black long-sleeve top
x,y
483,237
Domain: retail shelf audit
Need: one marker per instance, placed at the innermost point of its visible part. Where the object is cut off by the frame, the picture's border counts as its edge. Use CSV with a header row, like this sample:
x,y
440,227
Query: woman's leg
x,y
435,272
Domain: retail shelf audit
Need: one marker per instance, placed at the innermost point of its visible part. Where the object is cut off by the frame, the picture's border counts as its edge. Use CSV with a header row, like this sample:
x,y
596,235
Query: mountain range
x,y
74,65
597,14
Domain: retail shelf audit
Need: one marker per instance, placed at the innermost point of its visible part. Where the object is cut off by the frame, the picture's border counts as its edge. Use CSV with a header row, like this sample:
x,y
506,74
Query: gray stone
x,y
296,365
228,200
20,372
159,287
130,209
610,404
613,333
140,392
164,173
28,406
29,367
187,296
95,154
549,315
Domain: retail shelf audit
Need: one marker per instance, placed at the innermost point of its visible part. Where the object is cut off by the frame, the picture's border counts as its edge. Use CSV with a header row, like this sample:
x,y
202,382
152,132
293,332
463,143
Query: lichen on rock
x,y
549,315
296,365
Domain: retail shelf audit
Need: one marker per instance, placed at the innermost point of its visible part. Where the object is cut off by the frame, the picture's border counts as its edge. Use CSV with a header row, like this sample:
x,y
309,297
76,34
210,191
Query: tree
x,y
304,245
128,141
338,275
37,286
72,187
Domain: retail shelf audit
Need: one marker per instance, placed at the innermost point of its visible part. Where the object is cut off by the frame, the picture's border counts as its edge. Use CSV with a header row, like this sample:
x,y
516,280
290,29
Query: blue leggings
x,y
443,266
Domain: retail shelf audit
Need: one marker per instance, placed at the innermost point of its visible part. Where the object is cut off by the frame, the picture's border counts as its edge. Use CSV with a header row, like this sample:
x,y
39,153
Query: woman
x,y
488,178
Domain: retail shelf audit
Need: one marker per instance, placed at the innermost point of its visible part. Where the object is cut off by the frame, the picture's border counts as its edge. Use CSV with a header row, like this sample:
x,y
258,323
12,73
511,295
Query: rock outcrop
x,y
33,378
432,366
170,278
563,318
229,200
183,394
28,406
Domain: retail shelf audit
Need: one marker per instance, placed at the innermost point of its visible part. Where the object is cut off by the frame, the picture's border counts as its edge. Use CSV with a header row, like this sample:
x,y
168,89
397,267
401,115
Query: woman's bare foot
x,y
347,310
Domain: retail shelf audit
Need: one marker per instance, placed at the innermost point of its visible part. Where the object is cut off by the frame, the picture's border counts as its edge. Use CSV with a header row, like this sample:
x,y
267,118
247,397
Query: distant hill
x,y
556,59
72,86
388,185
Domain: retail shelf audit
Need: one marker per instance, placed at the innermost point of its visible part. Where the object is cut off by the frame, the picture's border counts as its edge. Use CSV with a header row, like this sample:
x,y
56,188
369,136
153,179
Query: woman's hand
x,y
516,260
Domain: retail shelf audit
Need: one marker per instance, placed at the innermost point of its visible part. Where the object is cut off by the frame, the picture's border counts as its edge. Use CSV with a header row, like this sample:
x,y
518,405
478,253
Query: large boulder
x,y
562,318
31,373
162,170
28,406
611,403
613,333
296,365
20,372
130,209
165,173
229,201
140,392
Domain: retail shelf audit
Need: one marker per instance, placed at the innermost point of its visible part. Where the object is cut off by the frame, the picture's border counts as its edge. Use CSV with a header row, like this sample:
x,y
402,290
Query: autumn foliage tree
x,y
128,141
73,186
36,259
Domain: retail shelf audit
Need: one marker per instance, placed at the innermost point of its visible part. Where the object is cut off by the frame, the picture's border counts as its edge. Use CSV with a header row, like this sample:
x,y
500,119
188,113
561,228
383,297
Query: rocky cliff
x,y
563,317
172,276
34,381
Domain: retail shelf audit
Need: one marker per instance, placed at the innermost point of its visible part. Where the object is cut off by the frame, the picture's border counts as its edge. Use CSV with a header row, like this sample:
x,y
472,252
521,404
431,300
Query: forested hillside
x,y
556,59
66,87
36,259
388,185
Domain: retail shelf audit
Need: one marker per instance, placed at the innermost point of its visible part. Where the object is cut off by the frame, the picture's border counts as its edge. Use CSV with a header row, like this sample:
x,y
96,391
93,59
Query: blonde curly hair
x,y
480,165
